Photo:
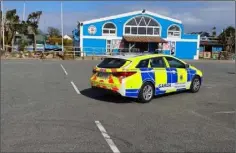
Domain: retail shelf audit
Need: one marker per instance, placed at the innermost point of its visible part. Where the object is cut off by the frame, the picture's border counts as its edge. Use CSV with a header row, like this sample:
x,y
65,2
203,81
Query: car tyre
x,y
195,85
146,93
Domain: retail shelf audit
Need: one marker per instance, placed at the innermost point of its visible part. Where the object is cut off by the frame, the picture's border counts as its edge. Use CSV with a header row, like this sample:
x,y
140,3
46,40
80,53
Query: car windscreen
x,y
112,63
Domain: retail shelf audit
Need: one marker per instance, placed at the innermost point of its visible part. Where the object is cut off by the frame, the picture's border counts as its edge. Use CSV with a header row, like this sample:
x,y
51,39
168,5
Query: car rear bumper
x,y
105,90
114,88
106,87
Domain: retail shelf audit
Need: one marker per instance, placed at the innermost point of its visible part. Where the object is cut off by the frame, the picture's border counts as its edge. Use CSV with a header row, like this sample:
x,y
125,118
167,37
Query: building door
x,y
108,46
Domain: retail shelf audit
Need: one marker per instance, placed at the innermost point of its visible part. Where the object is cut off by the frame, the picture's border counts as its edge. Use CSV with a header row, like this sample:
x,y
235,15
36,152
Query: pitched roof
x,y
129,14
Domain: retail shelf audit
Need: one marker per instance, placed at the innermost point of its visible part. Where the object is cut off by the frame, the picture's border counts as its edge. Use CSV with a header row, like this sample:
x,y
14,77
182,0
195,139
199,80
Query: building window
x,y
174,31
109,29
142,25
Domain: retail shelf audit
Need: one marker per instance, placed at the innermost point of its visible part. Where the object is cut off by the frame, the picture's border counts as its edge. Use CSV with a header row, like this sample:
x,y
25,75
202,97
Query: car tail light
x,y
123,74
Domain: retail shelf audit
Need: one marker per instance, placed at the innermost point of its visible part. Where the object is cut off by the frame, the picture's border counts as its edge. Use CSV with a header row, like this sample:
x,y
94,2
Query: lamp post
x,y
24,12
3,31
62,32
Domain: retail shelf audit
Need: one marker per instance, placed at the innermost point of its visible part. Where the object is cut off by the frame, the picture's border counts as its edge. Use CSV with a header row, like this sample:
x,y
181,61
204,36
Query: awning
x,y
156,39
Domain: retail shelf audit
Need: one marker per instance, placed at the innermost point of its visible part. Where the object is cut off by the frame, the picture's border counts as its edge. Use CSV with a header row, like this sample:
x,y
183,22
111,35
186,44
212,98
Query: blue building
x,y
137,31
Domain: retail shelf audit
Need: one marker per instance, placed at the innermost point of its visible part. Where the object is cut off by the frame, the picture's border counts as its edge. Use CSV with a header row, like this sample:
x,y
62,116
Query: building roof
x,y
129,14
144,39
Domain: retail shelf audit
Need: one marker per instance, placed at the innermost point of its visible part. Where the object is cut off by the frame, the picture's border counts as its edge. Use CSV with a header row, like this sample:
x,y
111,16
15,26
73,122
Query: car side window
x,y
143,64
157,62
174,63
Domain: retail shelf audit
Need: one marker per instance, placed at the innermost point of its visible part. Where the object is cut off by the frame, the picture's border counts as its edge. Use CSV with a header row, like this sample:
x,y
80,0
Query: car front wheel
x,y
196,84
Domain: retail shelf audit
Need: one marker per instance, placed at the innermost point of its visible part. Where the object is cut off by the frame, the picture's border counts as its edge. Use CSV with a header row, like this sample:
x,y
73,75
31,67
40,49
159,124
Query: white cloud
x,y
199,18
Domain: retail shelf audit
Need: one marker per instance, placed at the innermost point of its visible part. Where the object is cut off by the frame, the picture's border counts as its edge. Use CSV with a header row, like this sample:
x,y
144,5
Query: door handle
x,y
173,71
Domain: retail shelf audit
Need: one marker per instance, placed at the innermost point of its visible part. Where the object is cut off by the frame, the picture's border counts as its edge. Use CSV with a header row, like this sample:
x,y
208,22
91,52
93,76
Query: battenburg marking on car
x,y
143,76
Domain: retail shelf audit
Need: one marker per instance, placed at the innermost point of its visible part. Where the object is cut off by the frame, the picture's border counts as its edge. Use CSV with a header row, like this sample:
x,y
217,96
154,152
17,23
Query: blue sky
x,y
196,16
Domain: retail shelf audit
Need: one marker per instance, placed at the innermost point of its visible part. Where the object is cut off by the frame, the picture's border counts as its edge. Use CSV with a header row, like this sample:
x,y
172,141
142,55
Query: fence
x,y
71,52
222,55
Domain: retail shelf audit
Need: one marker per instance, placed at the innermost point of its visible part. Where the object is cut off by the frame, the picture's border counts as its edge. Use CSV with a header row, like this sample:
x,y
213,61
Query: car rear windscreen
x,y
112,63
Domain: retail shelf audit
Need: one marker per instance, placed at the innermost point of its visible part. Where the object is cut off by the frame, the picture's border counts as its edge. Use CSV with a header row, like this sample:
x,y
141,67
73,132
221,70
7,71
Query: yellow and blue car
x,y
144,76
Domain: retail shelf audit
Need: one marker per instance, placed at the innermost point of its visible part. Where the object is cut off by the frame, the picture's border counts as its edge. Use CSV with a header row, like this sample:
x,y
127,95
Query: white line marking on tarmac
x,y
225,112
107,137
209,119
76,89
199,115
64,69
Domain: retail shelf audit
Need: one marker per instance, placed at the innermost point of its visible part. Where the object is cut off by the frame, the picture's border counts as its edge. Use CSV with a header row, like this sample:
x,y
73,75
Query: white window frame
x,y
109,30
146,26
175,34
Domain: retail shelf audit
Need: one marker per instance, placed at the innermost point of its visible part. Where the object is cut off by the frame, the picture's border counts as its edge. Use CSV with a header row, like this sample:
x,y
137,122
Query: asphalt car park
x,y
49,106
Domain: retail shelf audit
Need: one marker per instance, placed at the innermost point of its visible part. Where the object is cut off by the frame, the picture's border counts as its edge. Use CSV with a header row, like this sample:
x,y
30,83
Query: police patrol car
x,y
144,76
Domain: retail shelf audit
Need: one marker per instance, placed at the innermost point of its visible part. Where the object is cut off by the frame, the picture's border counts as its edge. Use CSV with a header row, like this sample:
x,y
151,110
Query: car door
x,y
179,73
161,76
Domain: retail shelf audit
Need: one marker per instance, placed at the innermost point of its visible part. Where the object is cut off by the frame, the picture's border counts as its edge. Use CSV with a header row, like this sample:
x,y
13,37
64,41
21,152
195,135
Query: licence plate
x,y
103,75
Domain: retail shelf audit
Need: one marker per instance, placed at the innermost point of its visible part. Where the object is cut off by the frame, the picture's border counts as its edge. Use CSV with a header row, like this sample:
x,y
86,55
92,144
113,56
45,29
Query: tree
x,y
227,38
53,32
33,21
23,28
11,24
213,32
40,32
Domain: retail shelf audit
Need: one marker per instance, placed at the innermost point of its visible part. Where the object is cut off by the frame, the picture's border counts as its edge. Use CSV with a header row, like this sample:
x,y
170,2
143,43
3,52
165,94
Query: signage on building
x,y
92,30
166,46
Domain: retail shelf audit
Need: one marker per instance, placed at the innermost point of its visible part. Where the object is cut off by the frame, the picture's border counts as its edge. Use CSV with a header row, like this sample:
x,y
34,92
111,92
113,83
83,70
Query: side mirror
x,y
187,66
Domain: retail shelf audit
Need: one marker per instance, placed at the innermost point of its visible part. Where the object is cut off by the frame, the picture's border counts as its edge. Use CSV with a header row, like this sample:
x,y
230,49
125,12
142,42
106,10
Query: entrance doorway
x,y
142,46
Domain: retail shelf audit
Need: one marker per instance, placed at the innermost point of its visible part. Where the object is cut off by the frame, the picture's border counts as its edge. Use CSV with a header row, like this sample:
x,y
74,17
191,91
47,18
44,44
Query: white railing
x,y
72,52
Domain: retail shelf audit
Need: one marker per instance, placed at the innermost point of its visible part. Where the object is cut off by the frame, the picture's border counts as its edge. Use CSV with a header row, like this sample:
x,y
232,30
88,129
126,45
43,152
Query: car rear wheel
x,y
146,93
196,84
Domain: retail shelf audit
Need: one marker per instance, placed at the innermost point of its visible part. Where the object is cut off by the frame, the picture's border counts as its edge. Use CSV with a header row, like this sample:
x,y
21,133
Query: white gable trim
x,y
112,17
163,17
129,14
